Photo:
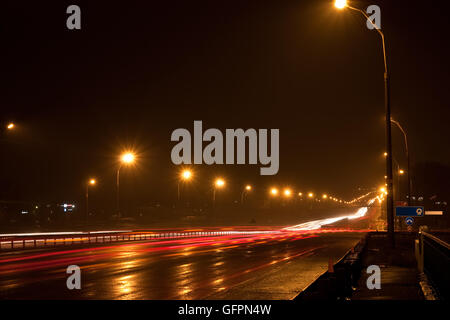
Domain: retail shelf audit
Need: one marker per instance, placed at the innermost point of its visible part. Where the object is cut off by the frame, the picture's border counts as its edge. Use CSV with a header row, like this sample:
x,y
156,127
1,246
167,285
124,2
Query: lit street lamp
x,y
185,176
342,4
287,192
126,158
407,158
273,192
218,184
91,182
10,126
244,192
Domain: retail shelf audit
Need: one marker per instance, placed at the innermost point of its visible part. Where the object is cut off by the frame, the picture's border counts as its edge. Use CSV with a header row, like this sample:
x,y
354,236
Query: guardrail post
x,y
419,249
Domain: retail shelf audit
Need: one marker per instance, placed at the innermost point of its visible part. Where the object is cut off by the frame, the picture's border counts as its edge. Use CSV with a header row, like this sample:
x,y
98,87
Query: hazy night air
x,y
283,151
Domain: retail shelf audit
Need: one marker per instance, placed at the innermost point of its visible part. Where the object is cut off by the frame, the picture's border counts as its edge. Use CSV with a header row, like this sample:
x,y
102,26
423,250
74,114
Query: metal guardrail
x,y
433,258
21,242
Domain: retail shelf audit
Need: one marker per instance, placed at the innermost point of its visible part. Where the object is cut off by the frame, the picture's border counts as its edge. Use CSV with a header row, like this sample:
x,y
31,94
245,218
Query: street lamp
x,y
342,4
273,192
185,176
219,183
90,182
407,158
244,192
10,126
126,158
287,192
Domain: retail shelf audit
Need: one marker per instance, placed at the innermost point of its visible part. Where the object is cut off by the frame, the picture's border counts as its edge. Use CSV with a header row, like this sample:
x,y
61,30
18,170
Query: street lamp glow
x,y
324,196
340,4
127,158
92,181
274,191
10,126
310,195
401,171
385,154
219,183
186,174
247,188
300,194
287,192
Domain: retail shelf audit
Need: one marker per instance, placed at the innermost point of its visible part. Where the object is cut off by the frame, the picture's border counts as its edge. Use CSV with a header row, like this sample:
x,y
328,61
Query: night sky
x,y
137,70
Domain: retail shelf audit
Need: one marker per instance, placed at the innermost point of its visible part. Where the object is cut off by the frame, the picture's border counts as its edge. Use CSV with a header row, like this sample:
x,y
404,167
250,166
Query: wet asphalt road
x,y
268,266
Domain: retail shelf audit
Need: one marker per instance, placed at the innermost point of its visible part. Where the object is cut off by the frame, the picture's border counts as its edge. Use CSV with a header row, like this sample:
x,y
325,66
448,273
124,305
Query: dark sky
x,y
137,70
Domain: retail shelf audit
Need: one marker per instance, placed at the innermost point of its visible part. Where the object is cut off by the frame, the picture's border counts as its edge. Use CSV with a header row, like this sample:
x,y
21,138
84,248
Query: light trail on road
x,y
317,224
194,263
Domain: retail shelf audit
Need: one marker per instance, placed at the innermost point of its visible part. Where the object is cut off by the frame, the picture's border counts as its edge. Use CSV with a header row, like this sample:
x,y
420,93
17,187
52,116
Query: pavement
x,y
399,274
260,266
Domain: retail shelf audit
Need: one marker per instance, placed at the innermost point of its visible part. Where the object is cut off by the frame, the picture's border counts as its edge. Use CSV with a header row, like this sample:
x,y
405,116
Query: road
x,y
258,266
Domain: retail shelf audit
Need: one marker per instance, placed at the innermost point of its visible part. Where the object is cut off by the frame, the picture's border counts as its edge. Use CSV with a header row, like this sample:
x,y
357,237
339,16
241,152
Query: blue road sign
x,y
409,221
409,211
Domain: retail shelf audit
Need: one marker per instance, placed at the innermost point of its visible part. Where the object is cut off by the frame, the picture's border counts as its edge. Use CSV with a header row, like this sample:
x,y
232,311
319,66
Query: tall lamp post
x,y
126,159
218,184
342,4
91,182
185,176
244,192
407,158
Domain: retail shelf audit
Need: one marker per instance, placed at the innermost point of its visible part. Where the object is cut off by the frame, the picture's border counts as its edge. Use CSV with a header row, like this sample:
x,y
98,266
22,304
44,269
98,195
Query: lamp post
x,y
342,4
407,158
126,159
287,193
244,192
218,184
5,127
400,172
185,176
273,192
91,182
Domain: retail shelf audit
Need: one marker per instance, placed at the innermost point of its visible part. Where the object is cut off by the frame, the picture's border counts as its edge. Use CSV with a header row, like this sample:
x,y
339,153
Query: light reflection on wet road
x,y
195,268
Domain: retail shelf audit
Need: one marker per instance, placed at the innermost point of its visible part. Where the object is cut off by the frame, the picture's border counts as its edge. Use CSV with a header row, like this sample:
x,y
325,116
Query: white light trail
x,y
317,224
